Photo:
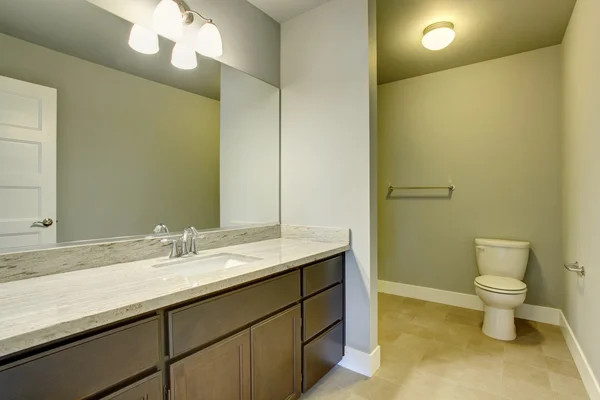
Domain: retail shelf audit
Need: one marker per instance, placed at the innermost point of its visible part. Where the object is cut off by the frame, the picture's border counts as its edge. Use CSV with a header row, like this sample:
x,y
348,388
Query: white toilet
x,y
502,265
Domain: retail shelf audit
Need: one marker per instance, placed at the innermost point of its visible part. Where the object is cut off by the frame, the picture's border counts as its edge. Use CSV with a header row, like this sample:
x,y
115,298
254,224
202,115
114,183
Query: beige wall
x,y
131,152
493,129
581,190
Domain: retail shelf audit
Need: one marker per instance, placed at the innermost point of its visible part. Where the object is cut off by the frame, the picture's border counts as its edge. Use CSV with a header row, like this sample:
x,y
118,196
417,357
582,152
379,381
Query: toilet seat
x,y
500,284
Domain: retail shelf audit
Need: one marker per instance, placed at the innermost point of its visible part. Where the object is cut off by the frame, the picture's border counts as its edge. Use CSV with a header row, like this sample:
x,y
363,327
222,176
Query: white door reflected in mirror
x,y
27,163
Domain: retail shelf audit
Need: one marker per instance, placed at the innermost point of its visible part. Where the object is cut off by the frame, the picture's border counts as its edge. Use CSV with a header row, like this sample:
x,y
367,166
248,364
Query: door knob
x,y
46,222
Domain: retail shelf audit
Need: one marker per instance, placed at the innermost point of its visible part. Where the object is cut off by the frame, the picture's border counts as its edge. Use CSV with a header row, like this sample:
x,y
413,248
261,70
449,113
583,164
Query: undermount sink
x,y
195,265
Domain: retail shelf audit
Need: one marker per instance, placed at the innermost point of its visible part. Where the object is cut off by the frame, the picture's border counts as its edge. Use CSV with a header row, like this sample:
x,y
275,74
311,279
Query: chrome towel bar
x,y
451,188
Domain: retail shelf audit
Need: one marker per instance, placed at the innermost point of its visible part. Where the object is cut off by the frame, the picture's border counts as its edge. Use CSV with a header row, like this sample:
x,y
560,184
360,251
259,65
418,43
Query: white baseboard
x,y
363,363
526,311
587,375
429,294
546,315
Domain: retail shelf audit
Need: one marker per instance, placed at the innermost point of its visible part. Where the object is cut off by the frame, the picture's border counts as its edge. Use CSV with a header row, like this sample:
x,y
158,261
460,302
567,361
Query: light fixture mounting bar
x,y
188,14
196,13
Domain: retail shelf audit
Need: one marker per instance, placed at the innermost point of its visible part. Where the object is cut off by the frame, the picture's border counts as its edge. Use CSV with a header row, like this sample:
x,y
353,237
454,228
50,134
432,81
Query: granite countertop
x,y
40,310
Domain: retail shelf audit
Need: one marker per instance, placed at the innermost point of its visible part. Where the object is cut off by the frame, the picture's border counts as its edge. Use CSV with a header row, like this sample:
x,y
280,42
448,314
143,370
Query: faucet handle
x,y
174,249
195,234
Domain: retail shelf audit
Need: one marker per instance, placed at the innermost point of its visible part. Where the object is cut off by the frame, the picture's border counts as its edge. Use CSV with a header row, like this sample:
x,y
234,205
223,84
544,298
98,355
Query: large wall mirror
x,y
100,141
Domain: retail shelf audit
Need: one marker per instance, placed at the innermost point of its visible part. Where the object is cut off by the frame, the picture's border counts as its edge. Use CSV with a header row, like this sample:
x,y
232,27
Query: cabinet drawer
x,y
322,310
322,354
203,322
86,367
150,388
319,276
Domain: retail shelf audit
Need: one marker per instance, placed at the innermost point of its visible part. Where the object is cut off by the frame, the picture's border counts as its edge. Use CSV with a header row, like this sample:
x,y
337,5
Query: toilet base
x,y
499,323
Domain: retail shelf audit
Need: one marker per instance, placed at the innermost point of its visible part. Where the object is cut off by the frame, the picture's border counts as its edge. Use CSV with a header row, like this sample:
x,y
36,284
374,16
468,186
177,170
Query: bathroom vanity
x,y
261,333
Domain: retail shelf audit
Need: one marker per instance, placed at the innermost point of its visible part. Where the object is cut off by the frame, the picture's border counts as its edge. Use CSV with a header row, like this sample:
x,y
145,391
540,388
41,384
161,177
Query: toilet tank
x,y
502,257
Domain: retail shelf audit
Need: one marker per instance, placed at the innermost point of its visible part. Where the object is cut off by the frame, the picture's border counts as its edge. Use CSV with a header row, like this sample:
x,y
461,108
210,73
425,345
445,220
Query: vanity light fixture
x,y
438,36
168,20
143,40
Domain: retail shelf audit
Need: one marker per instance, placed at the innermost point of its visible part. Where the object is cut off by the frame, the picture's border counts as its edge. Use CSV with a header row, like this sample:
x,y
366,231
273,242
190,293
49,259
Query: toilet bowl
x,y
501,296
502,265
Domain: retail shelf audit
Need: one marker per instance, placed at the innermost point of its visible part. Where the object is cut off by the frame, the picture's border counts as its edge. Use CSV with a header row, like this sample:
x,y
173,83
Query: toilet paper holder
x,y
574,267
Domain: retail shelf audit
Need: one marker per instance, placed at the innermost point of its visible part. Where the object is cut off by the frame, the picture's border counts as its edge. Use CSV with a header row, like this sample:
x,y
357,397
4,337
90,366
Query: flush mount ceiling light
x,y
168,20
438,36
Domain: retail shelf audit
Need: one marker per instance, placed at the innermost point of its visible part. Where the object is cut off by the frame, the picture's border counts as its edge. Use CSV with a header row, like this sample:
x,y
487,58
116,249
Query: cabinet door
x,y
276,357
220,372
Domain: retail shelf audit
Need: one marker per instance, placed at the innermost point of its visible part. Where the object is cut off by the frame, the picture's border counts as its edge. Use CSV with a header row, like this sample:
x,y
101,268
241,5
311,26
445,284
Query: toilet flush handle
x,y
480,248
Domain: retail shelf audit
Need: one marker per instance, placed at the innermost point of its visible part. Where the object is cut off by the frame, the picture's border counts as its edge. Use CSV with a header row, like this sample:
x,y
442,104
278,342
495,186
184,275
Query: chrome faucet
x,y
161,228
188,233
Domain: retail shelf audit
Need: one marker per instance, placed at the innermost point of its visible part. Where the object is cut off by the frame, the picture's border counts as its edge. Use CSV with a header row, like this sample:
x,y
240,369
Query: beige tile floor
x,y
433,351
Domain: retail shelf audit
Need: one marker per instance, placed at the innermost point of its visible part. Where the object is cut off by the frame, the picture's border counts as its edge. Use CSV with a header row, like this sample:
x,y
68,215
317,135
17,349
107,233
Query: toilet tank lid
x,y
502,243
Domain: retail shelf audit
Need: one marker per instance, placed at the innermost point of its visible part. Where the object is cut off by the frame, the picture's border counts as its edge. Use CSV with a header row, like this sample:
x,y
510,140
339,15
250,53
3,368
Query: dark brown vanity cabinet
x,y
268,340
274,359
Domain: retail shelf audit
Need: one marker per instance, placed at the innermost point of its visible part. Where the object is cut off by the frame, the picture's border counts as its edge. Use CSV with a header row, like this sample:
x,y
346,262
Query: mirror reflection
x,y
98,140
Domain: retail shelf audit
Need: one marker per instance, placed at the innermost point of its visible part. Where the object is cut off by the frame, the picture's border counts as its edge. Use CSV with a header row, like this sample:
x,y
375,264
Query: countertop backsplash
x,y
31,263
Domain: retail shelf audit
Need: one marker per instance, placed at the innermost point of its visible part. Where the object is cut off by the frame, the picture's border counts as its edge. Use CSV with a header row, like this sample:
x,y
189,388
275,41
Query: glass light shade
x,y
167,19
184,57
143,40
209,43
438,36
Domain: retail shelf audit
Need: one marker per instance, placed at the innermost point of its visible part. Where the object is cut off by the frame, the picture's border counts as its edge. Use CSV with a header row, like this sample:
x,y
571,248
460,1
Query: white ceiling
x,y
283,10
485,29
